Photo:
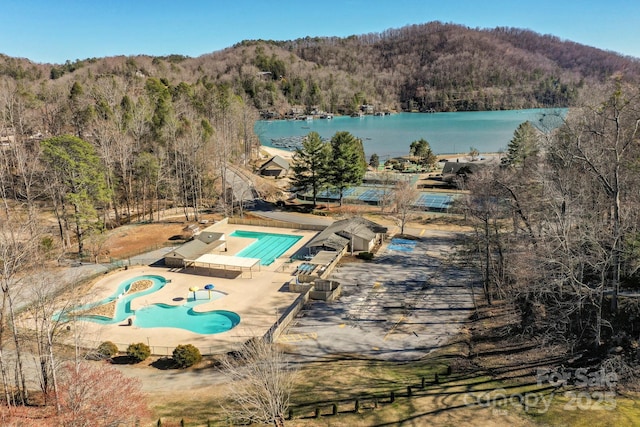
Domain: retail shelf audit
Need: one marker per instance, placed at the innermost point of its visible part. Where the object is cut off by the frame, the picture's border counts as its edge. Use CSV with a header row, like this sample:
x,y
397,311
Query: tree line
x,y
427,67
447,67
556,230
100,150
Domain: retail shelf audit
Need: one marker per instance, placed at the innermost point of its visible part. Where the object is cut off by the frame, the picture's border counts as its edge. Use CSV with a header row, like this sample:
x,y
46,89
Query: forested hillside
x,y
450,67
434,66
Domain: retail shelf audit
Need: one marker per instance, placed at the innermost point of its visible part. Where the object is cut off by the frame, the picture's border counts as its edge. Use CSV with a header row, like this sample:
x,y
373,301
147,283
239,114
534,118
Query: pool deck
x,y
258,297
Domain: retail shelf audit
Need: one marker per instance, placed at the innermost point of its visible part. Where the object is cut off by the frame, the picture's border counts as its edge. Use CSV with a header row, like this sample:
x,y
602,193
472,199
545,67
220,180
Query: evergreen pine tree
x,y
523,145
347,163
310,165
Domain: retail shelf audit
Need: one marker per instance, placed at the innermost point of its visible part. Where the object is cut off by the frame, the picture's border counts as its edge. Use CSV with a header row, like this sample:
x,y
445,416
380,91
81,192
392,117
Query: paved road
x,y
55,281
399,307
294,217
241,186
243,189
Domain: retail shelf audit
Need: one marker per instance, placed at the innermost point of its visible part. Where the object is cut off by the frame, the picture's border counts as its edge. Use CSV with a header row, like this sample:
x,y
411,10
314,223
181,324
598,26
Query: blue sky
x,y
58,30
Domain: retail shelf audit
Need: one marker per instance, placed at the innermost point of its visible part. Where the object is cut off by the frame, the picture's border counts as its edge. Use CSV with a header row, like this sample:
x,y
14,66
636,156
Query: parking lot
x,y
400,306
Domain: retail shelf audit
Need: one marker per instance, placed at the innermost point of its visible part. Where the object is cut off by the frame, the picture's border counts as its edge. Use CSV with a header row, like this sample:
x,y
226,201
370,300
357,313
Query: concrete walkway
x,y
257,297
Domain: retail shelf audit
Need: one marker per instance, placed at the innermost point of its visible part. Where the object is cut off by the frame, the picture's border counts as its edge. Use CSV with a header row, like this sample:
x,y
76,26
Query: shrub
x,y
139,351
367,256
186,355
107,350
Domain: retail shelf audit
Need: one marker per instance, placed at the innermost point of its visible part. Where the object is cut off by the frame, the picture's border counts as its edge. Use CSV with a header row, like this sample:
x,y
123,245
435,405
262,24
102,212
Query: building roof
x,y
278,162
338,234
323,258
358,227
202,244
329,239
213,260
454,167
208,236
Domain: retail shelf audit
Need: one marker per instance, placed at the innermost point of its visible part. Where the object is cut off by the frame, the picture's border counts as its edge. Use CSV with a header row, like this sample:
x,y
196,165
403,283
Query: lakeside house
x,y
276,166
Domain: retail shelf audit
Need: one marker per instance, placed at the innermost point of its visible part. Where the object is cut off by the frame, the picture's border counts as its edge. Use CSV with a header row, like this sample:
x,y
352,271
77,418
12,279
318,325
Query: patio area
x,y
259,300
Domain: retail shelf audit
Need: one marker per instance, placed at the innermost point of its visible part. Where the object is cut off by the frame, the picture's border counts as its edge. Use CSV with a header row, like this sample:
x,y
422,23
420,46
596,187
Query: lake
x,y
391,136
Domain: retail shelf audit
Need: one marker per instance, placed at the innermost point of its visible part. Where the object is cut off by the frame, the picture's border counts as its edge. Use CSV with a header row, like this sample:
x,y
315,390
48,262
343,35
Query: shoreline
x,y
453,157
450,134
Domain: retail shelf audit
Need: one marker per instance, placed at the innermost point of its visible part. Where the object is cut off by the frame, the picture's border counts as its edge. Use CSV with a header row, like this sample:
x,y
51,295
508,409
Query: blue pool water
x,y
165,316
162,315
267,247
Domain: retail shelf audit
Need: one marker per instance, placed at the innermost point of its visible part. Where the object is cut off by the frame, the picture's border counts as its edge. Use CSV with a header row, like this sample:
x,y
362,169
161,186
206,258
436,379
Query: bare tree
x,y
260,383
93,395
404,196
384,182
21,160
558,231
105,136
487,218
473,154
602,140
134,124
17,250
47,319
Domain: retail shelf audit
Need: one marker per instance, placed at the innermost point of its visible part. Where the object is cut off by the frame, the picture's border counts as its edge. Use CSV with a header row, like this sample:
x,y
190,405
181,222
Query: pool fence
x,y
276,224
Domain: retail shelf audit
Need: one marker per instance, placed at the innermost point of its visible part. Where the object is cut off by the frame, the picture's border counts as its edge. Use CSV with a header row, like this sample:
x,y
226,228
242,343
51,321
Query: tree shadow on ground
x,y
164,364
123,360
407,237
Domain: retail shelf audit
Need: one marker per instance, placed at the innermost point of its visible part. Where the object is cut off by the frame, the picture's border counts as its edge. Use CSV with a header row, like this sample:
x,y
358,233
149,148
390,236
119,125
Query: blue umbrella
x,y
209,287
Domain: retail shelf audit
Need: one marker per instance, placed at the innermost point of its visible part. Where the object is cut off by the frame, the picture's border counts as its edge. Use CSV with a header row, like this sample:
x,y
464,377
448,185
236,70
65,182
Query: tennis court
x,y
377,195
373,195
430,201
335,194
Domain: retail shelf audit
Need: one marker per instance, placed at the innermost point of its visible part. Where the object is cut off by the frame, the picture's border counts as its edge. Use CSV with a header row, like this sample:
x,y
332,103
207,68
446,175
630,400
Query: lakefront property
x,y
433,225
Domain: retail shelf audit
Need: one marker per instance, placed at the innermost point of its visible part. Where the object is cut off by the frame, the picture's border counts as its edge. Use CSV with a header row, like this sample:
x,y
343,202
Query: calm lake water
x,y
391,136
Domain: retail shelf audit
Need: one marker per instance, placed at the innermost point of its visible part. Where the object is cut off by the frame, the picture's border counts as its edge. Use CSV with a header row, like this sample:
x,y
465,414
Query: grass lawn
x,y
492,375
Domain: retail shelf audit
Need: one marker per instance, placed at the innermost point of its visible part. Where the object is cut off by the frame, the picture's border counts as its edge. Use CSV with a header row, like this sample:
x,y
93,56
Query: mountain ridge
x,y
421,67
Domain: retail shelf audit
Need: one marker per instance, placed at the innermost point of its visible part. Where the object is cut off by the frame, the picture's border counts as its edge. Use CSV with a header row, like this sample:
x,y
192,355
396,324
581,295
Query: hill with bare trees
x,y
428,67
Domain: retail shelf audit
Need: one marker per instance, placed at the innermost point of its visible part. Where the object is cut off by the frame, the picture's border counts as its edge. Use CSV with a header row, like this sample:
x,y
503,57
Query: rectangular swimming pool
x,y
268,246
